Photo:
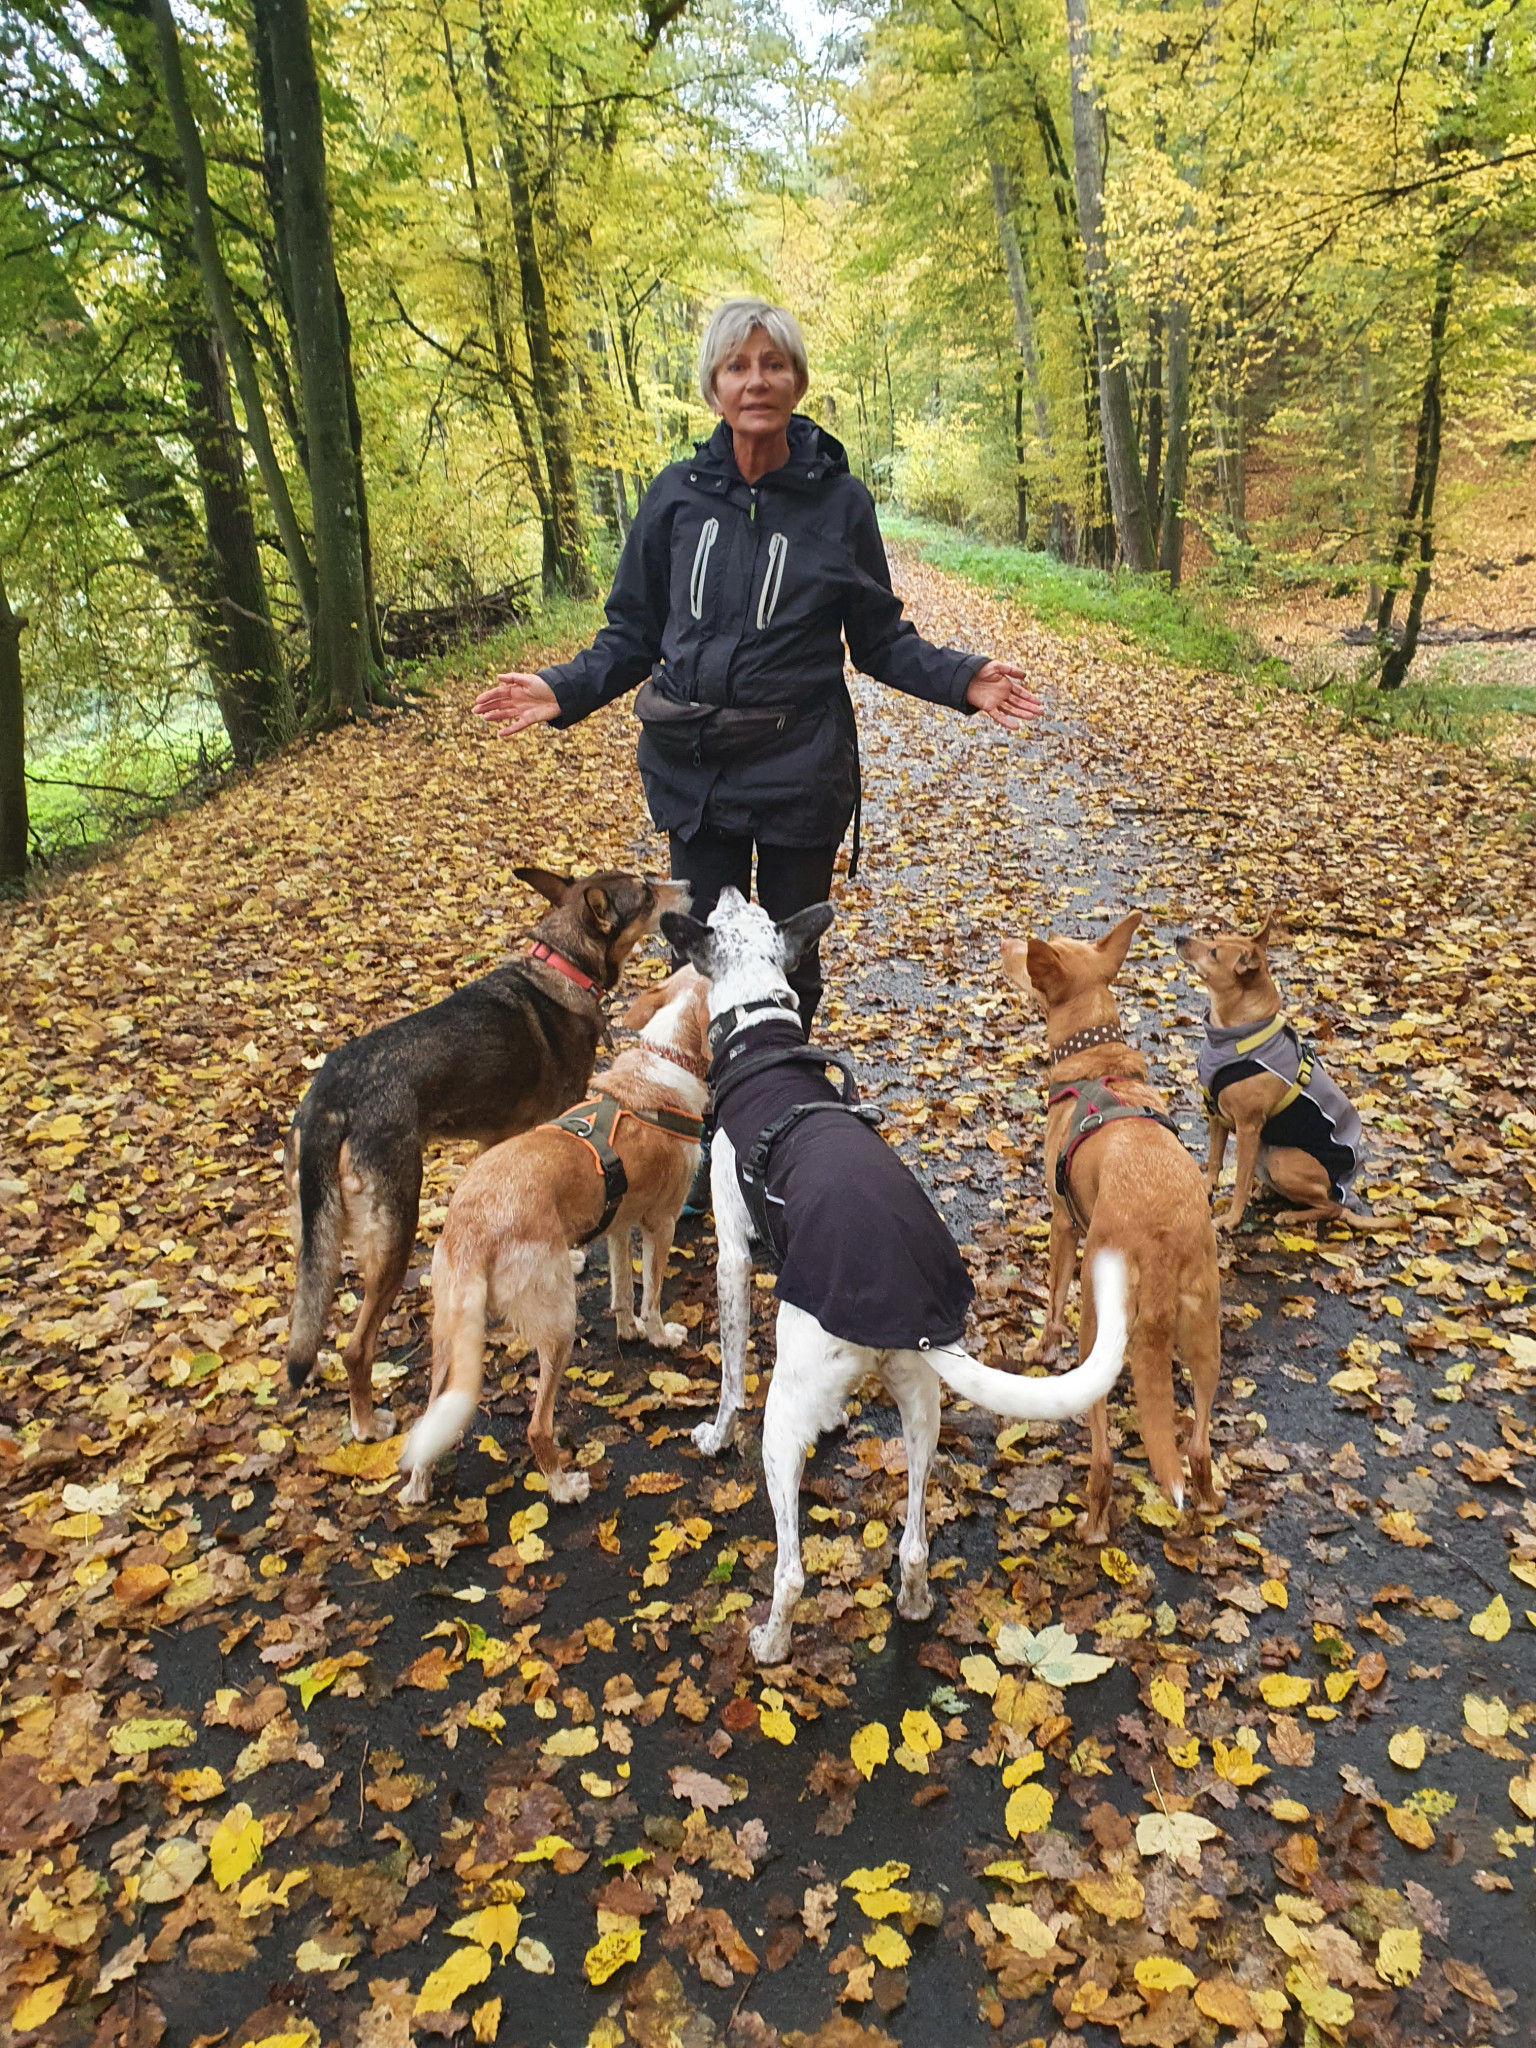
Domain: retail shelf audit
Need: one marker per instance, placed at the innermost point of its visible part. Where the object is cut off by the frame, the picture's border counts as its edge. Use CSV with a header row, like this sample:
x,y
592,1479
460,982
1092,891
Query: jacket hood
x,y
814,455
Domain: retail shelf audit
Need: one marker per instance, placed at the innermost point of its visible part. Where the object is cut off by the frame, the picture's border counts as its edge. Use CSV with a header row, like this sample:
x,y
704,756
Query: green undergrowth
x,y
1180,626
84,791
1456,713
555,622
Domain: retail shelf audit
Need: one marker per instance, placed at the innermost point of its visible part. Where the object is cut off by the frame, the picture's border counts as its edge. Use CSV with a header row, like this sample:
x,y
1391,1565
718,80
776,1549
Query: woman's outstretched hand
x,y
998,689
518,701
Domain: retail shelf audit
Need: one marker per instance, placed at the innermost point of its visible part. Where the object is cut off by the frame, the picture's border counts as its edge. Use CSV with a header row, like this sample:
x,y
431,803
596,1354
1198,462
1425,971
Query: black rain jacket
x,y
736,593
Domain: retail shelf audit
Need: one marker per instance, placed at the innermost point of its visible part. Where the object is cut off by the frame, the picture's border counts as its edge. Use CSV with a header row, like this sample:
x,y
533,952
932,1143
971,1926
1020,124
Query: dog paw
x,y
379,1427
916,1603
417,1490
667,1336
578,1259
1229,1220
626,1328
1044,1351
768,1644
711,1437
567,1488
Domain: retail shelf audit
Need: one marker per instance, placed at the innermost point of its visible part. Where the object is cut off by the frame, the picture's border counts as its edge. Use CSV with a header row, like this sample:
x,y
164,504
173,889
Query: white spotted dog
x,y
870,1280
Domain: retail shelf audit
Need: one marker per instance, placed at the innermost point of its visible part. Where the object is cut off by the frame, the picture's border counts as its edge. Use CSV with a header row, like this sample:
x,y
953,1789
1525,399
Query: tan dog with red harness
x,y
626,1156
1121,1180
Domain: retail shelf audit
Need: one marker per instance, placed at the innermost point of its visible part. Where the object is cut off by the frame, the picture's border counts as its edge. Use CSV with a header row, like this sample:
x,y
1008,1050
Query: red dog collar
x,y
539,951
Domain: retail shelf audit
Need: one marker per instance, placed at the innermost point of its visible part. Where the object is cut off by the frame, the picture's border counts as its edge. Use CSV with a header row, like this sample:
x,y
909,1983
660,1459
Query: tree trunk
x,y
1127,494
239,643
13,747
343,675
216,283
565,561
1395,661
1170,551
1154,482
501,339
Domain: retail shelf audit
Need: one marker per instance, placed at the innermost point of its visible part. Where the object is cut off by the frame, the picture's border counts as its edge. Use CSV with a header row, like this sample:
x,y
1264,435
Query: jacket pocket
x,y
708,533
773,579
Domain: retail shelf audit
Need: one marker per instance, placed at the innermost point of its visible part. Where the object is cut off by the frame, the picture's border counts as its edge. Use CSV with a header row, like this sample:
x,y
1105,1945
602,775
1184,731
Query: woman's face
x,y
757,387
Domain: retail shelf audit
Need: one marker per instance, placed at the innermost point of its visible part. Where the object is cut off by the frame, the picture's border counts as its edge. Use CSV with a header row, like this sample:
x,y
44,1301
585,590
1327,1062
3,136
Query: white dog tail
x,y
437,1430
1067,1393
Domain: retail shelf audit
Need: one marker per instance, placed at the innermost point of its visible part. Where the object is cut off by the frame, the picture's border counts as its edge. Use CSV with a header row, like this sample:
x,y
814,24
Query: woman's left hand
x,y
999,690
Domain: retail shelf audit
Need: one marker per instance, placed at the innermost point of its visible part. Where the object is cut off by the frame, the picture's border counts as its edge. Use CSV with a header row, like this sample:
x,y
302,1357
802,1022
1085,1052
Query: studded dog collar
x,y
1084,1040
689,1062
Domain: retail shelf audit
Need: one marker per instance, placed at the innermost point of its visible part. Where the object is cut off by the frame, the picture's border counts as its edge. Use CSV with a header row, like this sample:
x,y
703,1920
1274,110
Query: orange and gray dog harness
x,y
1094,1104
595,1121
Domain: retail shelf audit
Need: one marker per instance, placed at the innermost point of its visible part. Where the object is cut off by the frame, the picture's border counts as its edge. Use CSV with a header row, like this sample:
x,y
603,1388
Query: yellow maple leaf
x,y
870,1748
880,1879
1238,1765
465,1967
365,1461
1400,1955
1028,1810
236,1845
776,1723
1114,1564
485,2022
1319,2000
491,1927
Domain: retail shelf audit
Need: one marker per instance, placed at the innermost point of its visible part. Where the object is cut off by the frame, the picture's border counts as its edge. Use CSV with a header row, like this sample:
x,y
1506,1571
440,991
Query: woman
x,y
744,570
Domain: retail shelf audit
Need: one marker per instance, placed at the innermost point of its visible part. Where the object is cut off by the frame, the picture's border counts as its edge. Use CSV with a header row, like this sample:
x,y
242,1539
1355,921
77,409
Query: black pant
x,y
789,878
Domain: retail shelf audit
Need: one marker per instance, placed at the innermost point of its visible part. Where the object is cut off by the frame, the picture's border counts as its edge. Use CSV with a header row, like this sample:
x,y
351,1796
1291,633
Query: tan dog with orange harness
x,y
626,1156
1121,1180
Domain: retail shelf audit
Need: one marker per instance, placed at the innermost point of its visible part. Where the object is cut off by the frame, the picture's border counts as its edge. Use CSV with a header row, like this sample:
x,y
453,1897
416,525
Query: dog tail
x,y
1067,1393
315,1177
458,1352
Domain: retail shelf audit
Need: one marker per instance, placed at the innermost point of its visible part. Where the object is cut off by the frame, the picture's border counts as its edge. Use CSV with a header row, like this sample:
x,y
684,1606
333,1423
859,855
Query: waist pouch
x,y
710,733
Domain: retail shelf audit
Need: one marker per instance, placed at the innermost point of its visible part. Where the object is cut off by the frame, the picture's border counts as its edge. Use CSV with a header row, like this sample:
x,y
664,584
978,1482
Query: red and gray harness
x,y
1094,1104
594,1123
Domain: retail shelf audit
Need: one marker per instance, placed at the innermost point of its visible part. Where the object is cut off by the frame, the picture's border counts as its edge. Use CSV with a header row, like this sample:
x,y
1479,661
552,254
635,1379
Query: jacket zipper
x,y
707,536
773,580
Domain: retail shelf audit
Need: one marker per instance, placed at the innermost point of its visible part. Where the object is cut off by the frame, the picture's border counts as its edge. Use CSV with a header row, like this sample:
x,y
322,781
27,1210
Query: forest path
x,y
175,1530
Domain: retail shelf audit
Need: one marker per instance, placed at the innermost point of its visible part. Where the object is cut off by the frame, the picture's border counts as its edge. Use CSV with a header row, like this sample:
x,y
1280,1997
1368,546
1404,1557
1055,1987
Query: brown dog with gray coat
x,y
1120,1180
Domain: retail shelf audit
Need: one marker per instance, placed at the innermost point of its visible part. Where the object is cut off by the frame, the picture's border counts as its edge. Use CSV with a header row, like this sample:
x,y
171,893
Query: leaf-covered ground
x,y
283,1764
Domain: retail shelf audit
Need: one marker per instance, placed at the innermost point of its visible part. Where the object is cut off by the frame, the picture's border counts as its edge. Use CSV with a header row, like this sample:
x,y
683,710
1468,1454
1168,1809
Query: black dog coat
x,y
860,1246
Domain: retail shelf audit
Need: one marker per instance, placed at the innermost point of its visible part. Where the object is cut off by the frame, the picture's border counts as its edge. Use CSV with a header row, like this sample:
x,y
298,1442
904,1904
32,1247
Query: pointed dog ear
x,y
1117,943
1015,954
599,913
1248,963
686,935
1043,971
554,887
799,933
1266,935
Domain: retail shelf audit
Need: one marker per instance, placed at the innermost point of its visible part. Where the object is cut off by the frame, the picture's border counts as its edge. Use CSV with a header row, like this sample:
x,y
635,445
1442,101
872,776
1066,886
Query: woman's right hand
x,y
516,702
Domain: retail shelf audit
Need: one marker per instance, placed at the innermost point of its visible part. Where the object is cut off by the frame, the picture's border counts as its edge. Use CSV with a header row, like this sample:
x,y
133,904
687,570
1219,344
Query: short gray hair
x,y
730,324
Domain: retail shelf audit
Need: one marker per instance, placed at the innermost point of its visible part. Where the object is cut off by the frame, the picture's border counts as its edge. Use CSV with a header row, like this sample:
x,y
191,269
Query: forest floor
x,y
285,1764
